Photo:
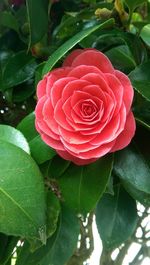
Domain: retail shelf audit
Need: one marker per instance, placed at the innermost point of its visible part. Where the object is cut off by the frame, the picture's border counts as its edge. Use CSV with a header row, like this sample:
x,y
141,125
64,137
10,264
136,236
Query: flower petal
x,y
128,89
127,134
94,58
74,159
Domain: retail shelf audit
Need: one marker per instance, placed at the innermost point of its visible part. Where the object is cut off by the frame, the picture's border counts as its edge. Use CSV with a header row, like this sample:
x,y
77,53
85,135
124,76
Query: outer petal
x,y
39,108
52,143
75,160
128,89
94,58
126,135
69,59
57,88
81,70
55,75
41,88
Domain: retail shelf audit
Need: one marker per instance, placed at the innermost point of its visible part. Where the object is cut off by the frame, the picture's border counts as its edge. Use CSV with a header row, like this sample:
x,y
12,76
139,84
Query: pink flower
x,y
84,108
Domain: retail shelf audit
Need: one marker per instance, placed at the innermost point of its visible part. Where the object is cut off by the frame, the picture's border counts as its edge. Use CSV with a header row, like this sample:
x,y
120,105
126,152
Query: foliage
x,y
45,200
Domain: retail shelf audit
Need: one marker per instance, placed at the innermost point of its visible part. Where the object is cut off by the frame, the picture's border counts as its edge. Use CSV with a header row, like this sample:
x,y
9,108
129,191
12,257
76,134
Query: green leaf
x,y
38,73
116,218
7,245
142,142
12,135
82,187
62,50
52,213
23,91
8,20
145,33
59,247
140,78
40,151
132,5
22,200
27,127
130,166
19,69
141,108
37,26
121,59
57,167
53,210
140,196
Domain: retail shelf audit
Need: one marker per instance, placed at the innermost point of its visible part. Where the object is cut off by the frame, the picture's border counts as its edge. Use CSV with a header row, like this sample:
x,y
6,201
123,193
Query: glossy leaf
x,y
138,195
59,247
57,167
22,202
62,50
37,26
40,151
27,127
133,4
12,135
8,20
145,33
113,213
19,69
7,245
37,146
23,91
82,187
140,78
52,213
133,168
141,110
121,59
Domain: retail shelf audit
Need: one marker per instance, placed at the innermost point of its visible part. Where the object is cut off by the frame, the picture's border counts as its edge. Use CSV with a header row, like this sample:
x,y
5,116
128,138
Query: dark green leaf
x,y
134,4
133,168
112,216
22,201
140,78
59,247
37,26
57,167
141,108
8,20
23,91
62,50
13,136
40,151
121,59
53,210
27,127
142,197
145,33
7,245
52,213
81,187
19,69
38,73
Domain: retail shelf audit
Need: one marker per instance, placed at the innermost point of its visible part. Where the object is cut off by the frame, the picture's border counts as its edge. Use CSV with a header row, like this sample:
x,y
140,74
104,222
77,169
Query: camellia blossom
x,y
84,108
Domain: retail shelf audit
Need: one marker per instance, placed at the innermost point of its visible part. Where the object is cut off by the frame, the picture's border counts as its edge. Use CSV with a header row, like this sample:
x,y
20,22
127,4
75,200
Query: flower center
x,y
88,109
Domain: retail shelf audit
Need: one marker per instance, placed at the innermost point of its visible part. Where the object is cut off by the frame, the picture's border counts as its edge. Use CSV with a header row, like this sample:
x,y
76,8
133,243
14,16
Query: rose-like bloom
x,y
84,108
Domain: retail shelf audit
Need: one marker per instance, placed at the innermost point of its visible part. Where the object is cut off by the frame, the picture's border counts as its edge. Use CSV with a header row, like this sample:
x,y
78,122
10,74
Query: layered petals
x,y
84,108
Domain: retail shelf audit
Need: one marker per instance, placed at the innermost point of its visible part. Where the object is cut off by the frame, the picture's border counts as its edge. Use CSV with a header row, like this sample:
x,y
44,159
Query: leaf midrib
x,y
19,207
